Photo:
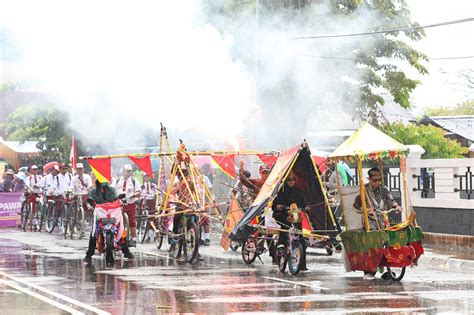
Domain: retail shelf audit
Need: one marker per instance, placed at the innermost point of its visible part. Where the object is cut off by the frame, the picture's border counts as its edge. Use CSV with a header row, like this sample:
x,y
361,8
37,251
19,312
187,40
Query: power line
x,y
387,31
365,59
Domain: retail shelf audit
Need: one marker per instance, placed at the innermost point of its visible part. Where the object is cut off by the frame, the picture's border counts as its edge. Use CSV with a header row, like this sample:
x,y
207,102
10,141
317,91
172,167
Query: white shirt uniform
x,y
32,181
149,191
128,188
63,183
81,184
47,183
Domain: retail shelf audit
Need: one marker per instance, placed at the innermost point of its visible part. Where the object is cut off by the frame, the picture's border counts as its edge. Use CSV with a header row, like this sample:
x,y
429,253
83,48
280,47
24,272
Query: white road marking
x,y
40,297
296,283
56,295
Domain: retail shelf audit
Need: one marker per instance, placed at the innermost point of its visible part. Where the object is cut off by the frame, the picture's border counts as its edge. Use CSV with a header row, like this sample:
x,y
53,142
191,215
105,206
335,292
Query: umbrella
x,y
49,166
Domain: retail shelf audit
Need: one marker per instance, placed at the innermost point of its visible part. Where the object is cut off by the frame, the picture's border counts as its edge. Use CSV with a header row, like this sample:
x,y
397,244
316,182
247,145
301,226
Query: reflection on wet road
x,y
221,283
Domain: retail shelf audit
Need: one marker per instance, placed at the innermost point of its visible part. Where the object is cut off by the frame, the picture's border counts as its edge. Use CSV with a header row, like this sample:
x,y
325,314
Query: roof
x,y
460,125
22,147
367,140
394,113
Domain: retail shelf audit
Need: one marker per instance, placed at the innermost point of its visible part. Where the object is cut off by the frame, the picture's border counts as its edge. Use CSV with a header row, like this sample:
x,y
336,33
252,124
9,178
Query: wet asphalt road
x,y
153,283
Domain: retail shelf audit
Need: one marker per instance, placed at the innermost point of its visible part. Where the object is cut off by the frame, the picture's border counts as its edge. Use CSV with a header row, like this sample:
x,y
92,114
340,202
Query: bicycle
x,y
291,253
55,212
29,210
76,216
188,238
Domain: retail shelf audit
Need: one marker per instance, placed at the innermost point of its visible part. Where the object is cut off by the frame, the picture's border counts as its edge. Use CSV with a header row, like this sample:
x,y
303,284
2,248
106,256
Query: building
x,y
16,153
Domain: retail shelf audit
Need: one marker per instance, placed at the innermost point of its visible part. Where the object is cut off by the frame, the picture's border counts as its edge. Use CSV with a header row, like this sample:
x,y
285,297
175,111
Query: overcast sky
x,y
445,41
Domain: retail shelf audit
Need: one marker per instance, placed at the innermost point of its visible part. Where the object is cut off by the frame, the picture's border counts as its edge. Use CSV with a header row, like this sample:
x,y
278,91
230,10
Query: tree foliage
x,y
42,123
430,138
373,70
464,108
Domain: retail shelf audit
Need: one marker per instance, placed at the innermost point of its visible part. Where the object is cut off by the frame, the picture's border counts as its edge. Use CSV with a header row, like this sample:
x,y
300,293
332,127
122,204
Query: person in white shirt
x,y
81,183
127,185
33,180
47,182
63,181
149,191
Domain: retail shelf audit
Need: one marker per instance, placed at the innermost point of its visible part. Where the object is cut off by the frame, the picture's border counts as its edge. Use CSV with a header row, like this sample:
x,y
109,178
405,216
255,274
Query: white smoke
x,y
119,69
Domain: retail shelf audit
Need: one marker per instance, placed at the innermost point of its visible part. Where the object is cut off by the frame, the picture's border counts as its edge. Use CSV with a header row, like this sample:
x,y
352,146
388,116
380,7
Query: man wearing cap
x,y
47,182
81,184
63,182
254,183
8,181
33,180
127,185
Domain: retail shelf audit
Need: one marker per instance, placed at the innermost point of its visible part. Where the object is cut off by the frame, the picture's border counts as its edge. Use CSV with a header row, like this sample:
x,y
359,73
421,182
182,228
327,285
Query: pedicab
x,y
385,244
314,225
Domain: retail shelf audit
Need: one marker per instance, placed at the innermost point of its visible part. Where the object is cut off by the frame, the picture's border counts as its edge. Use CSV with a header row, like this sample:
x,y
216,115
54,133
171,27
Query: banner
x,y
101,169
143,163
225,163
10,206
234,215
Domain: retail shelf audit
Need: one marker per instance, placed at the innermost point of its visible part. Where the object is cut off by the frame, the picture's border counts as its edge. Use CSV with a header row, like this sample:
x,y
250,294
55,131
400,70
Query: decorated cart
x,y
389,245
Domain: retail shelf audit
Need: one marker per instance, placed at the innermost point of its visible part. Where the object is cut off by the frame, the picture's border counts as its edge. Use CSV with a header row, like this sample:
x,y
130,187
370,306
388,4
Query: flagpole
x,y
194,153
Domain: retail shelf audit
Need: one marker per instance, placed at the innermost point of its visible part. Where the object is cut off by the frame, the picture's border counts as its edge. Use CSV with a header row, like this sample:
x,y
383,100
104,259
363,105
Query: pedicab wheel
x,y
329,250
234,245
142,226
50,218
295,257
249,251
282,258
109,248
396,273
159,234
191,243
126,227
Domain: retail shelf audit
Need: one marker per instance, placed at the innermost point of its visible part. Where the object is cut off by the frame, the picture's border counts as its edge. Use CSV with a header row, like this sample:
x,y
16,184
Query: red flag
x,y
306,224
320,162
72,155
225,163
268,160
101,169
143,163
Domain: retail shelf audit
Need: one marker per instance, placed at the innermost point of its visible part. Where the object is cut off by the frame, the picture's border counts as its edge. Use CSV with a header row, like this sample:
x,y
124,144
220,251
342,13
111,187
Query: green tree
x,y
464,108
362,67
428,137
42,123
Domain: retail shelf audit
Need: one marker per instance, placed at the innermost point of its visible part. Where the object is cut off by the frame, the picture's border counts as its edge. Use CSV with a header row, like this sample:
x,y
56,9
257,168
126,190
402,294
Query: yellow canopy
x,y
367,140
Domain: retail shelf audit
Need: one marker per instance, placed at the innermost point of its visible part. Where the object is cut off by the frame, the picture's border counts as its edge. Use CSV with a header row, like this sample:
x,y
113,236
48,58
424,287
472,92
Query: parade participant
x,y
47,182
288,195
127,185
102,193
254,183
81,183
33,183
148,199
206,223
63,182
379,199
181,193
8,181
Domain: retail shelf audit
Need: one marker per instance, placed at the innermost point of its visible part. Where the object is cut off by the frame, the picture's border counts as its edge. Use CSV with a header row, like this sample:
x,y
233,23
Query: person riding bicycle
x,y
288,195
103,193
33,183
254,183
127,185
182,194
81,182
148,199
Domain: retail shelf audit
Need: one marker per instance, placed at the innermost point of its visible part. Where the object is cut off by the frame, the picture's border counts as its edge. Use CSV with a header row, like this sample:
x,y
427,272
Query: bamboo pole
x,y
222,152
362,193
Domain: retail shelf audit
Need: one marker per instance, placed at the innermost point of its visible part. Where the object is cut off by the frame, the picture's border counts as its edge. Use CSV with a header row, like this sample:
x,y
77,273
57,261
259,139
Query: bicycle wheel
x,y
191,242
396,273
282,258
50,217
234,245
249,251
160,232
64,220
80,222
26,215
142,226
72,220
295,257
126,227
42,216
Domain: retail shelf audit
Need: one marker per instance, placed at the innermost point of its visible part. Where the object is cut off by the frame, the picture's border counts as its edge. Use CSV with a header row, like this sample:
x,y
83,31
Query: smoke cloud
x,y
120,69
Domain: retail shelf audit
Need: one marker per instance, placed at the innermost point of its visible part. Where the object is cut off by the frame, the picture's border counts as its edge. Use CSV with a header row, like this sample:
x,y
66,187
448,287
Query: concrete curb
x,y
446,263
